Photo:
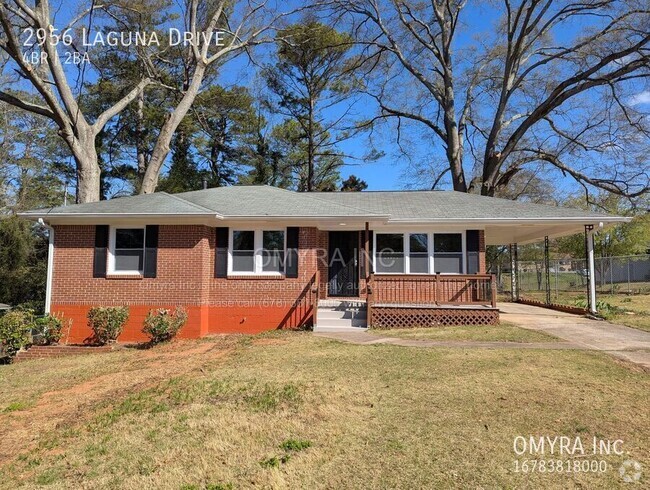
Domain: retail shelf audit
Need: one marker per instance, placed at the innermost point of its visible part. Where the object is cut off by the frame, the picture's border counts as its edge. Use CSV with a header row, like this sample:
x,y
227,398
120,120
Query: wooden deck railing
x,y
432,290
305,308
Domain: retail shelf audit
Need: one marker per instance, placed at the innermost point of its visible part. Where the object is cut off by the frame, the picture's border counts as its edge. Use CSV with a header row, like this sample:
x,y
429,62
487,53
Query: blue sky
x,y
388,171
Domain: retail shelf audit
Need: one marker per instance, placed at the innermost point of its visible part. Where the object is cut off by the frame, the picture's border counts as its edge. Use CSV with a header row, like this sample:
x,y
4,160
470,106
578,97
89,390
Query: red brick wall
x,y
185,276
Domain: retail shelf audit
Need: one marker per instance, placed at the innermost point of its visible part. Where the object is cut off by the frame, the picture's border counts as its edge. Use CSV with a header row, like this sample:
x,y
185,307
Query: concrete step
x,y
320,329
341,322
342,303
332,314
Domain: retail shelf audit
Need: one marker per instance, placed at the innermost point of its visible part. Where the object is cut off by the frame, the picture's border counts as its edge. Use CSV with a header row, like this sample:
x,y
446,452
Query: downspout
x,y
50,265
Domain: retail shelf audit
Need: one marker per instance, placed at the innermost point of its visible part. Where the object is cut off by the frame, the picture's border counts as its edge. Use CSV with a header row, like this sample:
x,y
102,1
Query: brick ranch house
x,y
253,258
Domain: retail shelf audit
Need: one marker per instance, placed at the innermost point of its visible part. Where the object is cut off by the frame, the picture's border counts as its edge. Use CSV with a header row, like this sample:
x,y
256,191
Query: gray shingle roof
x,y
449,205
159,203
266,202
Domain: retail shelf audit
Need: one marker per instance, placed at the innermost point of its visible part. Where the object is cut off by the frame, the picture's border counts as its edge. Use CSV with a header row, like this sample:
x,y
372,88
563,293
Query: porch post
x,y
591,280
547,271
366,247
514,273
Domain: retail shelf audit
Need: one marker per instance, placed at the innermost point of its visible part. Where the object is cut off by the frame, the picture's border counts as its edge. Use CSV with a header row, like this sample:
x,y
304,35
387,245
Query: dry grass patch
x,y
308,412
504,332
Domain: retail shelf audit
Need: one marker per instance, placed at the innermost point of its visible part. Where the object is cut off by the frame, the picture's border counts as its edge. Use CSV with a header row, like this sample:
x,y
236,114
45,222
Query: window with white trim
x,y
257,252
419,253
126,250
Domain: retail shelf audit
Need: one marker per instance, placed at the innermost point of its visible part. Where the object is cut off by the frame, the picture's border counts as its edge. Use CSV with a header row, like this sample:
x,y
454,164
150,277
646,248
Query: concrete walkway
x,y
623,342
577,332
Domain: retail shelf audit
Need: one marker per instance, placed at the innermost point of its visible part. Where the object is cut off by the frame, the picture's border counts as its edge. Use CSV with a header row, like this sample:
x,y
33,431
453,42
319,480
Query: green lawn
x,y
504,332
290,410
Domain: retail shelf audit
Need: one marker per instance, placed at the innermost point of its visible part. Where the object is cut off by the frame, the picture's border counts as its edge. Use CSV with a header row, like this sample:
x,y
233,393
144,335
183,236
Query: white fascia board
x,y
516,221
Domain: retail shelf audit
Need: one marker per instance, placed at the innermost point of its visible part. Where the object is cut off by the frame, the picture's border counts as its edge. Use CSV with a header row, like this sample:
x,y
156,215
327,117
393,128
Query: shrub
x,y
107,322
162,325
48,330
15,331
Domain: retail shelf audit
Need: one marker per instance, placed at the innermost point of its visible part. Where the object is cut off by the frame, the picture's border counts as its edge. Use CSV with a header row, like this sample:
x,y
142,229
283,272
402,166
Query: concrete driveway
x,y
623,342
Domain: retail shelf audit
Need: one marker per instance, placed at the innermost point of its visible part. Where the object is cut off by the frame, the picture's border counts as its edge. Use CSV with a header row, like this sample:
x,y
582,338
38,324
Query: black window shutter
x,y
221,252
151,251
101,250
472,241
293,243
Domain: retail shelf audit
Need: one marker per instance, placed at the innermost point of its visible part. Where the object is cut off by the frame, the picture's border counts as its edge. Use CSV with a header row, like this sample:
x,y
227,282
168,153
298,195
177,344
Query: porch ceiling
x,y
523,232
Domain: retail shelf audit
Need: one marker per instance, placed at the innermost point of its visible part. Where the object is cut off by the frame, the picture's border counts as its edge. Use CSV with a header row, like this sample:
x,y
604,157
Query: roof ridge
x,y
311,196
185,201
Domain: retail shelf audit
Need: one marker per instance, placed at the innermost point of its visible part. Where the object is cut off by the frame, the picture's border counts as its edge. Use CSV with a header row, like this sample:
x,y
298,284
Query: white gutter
x,y
50,265
497,221
118,215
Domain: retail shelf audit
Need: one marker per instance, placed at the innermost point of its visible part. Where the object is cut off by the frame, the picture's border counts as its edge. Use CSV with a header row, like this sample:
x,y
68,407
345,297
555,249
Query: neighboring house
x,y
253,258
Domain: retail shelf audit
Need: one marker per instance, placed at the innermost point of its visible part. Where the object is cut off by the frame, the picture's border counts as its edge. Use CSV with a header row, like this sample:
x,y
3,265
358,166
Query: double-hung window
x,y
257,252
418,253
390,253
243,251
126,251
448,253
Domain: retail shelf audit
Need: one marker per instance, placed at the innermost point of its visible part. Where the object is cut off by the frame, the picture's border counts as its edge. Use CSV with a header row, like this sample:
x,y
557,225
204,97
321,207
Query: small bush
x,y
295,445
15,331
48,330
107,322
163,325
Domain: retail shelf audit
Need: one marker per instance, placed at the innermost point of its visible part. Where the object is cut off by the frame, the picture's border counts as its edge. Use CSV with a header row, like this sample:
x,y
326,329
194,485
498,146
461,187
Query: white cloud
x,y
640,98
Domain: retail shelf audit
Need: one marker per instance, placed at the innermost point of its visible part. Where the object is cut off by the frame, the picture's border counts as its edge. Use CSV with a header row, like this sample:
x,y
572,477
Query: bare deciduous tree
x,y
242,24
528,90
49,78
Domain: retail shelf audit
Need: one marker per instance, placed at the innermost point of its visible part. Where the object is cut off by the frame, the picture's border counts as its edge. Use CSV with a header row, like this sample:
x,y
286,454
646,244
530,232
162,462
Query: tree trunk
x,y
82,146
140,146
161,149
88,176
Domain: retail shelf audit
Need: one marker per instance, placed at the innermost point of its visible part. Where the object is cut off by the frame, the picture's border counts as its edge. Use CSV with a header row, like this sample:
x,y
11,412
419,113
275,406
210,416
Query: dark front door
x,y
343,272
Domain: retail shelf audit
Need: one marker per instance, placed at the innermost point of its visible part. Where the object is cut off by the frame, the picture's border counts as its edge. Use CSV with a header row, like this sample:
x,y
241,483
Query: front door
x,y
343,271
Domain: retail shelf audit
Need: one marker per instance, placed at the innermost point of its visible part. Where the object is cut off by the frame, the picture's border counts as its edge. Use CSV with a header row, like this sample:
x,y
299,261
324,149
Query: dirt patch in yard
x,y
139,370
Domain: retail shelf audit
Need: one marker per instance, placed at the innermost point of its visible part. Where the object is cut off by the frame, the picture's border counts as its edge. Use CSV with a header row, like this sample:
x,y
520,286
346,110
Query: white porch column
x,y
592,270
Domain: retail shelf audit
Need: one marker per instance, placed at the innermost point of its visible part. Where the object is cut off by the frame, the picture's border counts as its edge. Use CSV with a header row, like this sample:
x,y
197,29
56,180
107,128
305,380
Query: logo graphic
x,y
630,471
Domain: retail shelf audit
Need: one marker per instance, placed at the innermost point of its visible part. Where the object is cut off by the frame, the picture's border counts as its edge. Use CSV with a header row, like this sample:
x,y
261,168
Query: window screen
x,y
129,249
273,251
243,251
390,252
418,253
448,253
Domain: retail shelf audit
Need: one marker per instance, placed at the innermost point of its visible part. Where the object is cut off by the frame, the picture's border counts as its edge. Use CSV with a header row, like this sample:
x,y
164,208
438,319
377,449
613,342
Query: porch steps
x,y
341,316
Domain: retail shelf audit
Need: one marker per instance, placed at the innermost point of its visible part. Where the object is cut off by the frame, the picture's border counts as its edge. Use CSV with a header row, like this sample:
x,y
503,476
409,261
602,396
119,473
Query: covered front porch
x,y
425,297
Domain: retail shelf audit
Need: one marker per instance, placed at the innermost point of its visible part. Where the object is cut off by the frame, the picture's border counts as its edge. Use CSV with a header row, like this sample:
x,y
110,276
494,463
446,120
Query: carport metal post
x,y
547,271
514,273
591,281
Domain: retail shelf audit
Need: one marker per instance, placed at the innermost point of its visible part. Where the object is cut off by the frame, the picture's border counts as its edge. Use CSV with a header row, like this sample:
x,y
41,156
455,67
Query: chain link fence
x,y
567,278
